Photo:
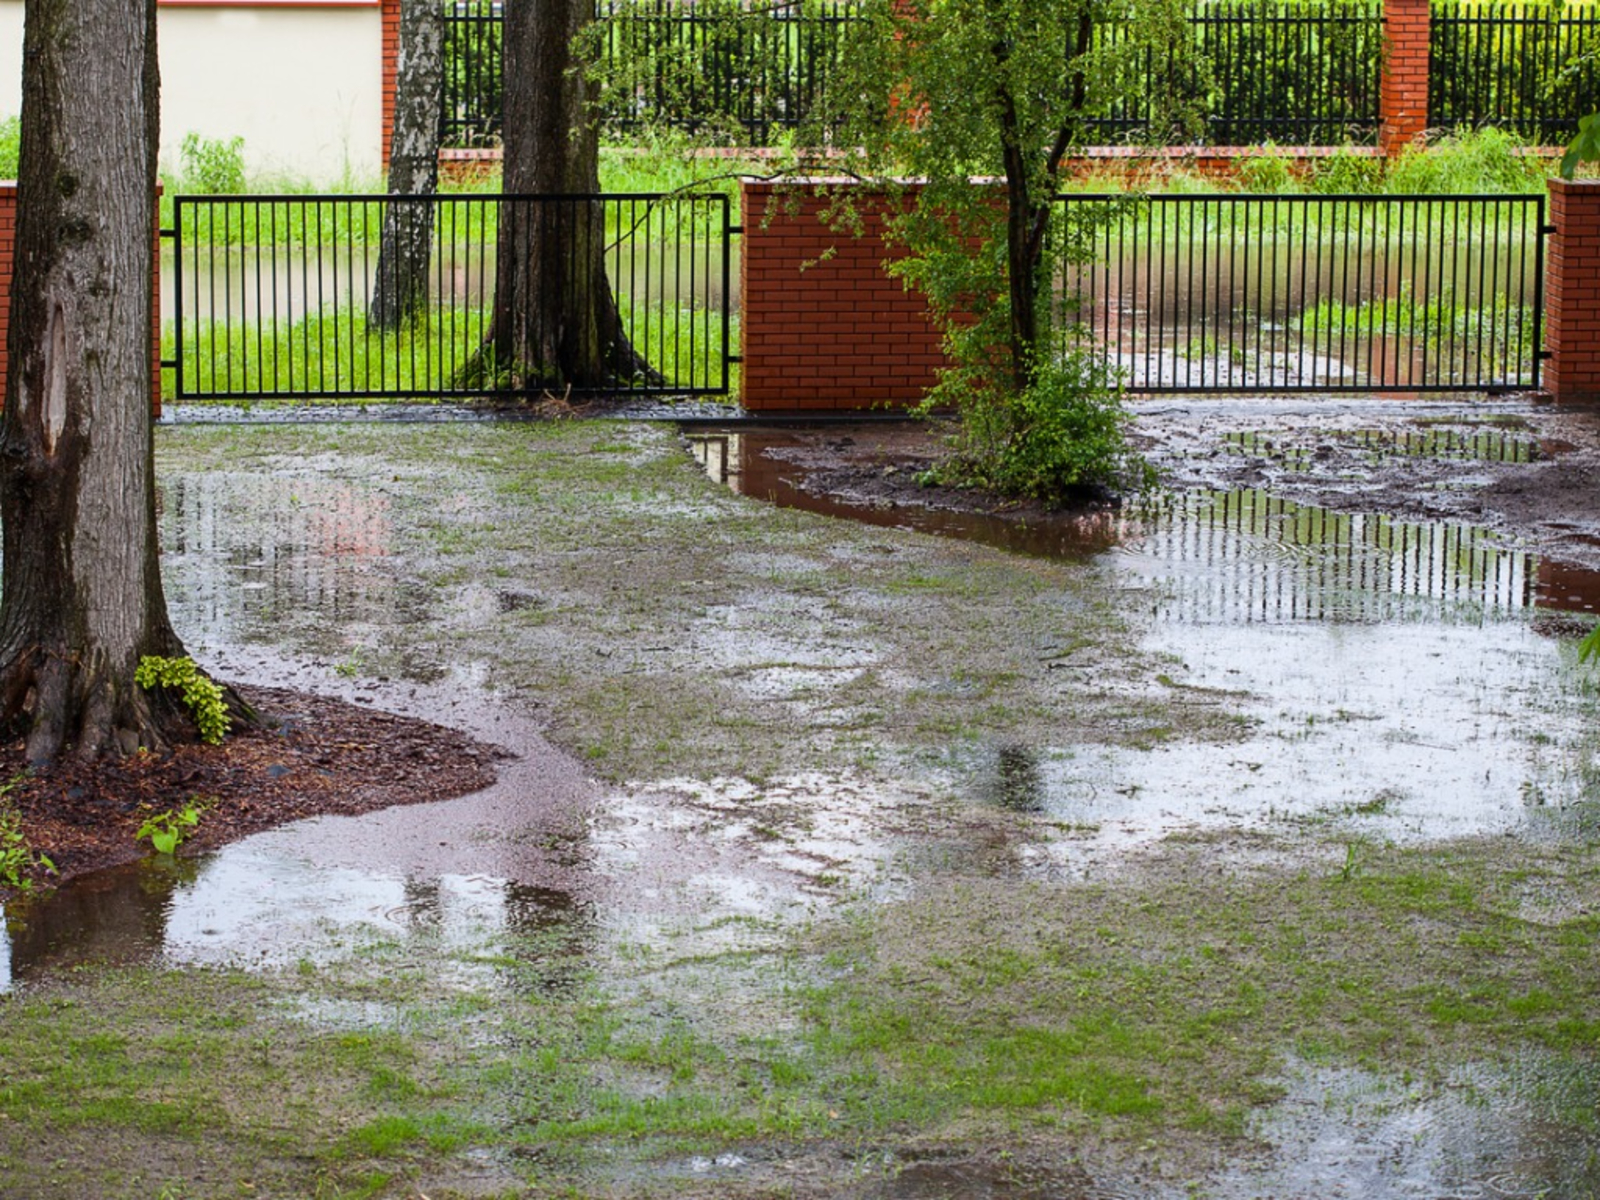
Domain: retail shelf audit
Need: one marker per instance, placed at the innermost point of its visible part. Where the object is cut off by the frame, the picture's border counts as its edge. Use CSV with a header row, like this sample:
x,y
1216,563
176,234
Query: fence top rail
x,y
1303,197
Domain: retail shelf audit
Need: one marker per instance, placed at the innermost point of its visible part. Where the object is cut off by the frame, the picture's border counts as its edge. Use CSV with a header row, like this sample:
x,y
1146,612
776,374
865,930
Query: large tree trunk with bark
x,y
555,318
81,600
407,242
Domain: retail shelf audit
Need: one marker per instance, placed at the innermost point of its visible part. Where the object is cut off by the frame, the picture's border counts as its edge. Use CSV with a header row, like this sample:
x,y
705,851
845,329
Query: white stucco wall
x,y
301,84
10,57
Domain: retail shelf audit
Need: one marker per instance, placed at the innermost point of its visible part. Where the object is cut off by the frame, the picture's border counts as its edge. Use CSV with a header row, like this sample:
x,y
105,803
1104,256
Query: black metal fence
x,y
1290,71
1273,70
719,66
272,296
1236,293
473,65
1530,68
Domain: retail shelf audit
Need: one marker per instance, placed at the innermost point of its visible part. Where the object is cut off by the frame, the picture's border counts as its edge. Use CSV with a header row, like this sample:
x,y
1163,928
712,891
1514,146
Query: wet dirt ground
x,y
1236,844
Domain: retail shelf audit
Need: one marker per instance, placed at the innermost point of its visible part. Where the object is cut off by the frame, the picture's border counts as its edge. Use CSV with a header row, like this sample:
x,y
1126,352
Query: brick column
x,y
1572,292
1403,106
8,250
823,326
390,10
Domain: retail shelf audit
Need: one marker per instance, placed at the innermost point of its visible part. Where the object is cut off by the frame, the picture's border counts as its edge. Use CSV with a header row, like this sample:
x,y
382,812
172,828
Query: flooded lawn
x,y
1236,843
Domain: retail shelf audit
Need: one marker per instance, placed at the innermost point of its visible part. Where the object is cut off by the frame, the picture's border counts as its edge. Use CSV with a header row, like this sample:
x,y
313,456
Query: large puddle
x,y
1390,673
1390,676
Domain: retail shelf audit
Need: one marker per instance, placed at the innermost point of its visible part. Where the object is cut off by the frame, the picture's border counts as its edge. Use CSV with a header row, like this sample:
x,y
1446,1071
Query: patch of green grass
x,y
10,146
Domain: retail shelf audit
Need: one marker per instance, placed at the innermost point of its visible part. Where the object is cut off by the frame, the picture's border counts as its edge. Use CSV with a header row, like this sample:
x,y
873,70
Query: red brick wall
x,y
391,68
8,245
823,326
1403,104
1572,292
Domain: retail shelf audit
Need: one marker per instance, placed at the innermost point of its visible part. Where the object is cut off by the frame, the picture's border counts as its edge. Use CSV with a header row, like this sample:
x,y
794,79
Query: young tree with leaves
x,y
979,103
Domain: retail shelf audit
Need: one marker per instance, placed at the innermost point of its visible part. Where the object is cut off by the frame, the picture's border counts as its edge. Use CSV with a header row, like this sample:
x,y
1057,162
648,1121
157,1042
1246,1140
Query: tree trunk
x,y
407,242
81,600
555,320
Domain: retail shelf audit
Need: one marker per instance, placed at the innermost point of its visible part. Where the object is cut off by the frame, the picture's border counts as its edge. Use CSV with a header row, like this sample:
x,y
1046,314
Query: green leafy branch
x,y
203,698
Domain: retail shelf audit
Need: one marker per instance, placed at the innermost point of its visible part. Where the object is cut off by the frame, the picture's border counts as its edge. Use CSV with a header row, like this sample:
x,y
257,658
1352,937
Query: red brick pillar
x,y
1572,292
1403,105
8,249
823,326
390,10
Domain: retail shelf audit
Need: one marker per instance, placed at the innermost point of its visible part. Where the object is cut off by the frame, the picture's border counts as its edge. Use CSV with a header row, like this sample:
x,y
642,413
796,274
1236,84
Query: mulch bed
x,y
309,757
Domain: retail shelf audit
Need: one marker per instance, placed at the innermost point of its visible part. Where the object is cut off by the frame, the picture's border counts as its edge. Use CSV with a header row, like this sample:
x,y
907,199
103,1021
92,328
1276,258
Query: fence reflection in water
x,y
273,293
1307,293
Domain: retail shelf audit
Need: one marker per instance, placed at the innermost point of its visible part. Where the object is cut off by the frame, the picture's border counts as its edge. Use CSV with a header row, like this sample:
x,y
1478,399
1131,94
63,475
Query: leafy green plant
x,y
168,830
1065,431
1589,648
17,858
202,697
1584,148
212,165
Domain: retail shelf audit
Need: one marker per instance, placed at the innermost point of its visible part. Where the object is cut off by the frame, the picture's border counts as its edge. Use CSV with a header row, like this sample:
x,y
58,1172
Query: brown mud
x,y
310,756
1529,472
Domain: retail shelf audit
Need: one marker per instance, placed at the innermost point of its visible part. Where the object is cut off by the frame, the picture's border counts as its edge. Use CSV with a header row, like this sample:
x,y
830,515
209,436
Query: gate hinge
x,y
1549,229
735,229
735,358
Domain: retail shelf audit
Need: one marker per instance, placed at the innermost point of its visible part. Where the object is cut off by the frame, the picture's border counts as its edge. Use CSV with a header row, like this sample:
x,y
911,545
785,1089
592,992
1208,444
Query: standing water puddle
x,y
1388,672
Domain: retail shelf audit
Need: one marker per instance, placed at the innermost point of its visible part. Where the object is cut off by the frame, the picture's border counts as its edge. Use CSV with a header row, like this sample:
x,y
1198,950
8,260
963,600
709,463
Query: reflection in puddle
x,y
1476,1133
248,905
1244,555
1384,670
1487,445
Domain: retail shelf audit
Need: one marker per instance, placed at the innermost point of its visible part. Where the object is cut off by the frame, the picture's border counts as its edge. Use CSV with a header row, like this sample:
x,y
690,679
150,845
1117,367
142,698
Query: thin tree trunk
x,y
407,241
81,600
555,319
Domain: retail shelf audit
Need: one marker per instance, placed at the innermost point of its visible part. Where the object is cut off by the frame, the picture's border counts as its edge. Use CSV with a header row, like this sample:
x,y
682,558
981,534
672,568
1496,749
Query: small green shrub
x,y
17,859
168,830
202,697
1066,431
1589,648
10,146
212,166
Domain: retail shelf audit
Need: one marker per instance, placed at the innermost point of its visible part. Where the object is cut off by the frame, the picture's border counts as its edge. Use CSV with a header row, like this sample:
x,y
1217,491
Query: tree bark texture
x,y
407,241
81,600
555,320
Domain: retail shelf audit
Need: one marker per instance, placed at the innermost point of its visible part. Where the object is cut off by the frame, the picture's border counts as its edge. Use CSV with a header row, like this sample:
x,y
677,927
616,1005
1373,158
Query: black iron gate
x,y
1305,293
271,294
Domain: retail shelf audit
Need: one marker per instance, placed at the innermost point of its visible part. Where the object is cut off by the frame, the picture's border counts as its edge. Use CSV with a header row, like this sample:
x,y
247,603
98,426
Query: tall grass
x,y
336,357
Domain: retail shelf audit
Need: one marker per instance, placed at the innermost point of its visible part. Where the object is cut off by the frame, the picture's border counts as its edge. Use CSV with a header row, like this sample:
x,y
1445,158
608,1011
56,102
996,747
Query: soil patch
x,y
1351,457
310,756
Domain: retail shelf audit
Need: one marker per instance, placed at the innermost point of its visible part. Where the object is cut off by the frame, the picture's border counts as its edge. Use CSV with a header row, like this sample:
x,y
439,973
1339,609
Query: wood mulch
x,y
310,756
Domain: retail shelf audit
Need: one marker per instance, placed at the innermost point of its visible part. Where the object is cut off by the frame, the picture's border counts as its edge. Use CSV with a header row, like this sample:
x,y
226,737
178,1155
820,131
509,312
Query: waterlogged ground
x,y
1248,850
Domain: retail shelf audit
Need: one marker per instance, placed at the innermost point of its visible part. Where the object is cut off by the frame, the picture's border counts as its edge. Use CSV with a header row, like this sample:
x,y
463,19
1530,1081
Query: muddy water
x,y
1389,675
